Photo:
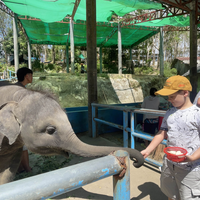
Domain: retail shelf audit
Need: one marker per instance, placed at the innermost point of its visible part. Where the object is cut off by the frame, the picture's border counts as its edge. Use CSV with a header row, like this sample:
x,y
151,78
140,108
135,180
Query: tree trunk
x,y
53,54
45,53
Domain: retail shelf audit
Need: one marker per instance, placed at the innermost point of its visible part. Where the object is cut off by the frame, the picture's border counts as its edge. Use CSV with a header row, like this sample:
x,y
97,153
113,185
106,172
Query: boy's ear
x,y
186,93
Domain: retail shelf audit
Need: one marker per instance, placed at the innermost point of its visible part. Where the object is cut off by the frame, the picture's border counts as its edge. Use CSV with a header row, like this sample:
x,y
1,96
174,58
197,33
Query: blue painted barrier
x,y
12,75
78,117
125,126
57,182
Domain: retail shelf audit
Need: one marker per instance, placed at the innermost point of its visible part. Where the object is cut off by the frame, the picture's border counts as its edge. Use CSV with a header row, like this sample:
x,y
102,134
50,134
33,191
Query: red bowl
x,y
173,157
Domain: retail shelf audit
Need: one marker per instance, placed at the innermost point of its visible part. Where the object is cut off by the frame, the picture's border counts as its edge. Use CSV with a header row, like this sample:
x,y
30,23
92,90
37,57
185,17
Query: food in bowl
x,y
175,154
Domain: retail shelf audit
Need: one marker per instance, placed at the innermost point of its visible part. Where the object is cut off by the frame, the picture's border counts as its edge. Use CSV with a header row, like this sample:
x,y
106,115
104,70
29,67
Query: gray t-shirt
x,y
183,130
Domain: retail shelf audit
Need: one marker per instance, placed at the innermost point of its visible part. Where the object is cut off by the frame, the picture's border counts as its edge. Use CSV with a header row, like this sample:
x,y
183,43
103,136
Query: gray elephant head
x,y
37,120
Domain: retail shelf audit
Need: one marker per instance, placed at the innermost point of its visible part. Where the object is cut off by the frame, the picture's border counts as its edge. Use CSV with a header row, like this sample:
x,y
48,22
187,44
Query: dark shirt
x,y
19,84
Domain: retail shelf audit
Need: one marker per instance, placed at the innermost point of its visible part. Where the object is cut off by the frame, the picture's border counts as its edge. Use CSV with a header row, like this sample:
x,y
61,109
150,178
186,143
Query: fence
x,y
7,75
126,129
52,184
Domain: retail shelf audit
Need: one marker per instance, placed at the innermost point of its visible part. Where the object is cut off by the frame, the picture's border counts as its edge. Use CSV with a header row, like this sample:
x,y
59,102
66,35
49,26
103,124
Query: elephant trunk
x,y
78,147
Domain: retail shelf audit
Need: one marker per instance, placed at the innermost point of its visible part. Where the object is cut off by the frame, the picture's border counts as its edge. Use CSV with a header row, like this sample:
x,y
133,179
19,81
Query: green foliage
x,y
103,75
110,60
49,66
23,65
168,72
144,70
37,66
43,164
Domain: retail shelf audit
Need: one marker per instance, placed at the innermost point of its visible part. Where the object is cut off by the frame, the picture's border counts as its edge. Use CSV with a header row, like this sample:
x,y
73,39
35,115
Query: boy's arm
x,y
193,157
159,137
198,102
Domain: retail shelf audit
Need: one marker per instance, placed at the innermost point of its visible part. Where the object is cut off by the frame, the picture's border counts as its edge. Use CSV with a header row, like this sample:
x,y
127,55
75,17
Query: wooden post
x,y
193,50
91,58
15,40
100,60
72,44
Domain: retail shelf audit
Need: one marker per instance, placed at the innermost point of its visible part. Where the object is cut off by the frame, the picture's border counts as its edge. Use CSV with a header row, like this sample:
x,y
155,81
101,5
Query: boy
x,y
181,125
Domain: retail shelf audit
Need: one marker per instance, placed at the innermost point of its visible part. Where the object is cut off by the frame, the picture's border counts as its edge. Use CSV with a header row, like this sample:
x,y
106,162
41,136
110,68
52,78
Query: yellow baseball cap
x,y
174,84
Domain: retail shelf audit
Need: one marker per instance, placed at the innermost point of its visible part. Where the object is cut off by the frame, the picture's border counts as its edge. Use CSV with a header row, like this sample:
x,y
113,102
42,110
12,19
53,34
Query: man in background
x,y
24,76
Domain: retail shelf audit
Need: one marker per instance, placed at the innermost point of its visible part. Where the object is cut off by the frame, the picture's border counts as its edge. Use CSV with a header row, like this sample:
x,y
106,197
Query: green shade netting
x,y
57,33
56,10
179,21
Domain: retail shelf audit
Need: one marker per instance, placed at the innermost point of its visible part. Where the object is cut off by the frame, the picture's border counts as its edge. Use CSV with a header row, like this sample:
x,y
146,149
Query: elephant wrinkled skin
x,y
37,120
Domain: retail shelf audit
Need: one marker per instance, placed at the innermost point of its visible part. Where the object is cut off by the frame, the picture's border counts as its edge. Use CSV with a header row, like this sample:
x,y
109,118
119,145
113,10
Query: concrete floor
x,y
144,183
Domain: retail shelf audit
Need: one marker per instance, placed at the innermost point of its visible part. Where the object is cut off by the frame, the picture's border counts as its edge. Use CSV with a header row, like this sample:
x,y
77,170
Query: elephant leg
x,y
9,166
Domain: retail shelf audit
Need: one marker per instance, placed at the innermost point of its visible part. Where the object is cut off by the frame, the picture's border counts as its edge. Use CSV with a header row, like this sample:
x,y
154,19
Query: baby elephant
x,y
37,120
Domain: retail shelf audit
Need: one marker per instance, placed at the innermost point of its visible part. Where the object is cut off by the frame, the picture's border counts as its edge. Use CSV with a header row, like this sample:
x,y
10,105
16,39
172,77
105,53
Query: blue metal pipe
x,y
125,126
153,162
51,184
121,187
145,136
109,123
150,111
122,108
132,131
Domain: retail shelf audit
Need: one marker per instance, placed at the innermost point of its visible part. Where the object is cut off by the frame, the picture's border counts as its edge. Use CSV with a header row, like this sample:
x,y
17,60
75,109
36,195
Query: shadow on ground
x,y
150,189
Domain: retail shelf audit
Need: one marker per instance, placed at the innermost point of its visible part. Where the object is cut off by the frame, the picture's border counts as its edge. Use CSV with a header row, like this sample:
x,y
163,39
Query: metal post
x,y
132,131
91,58
193,50
100,59
67,57
130,50
72,44
29,55
57,182
161,53
121,187
15,40
125,126
119,49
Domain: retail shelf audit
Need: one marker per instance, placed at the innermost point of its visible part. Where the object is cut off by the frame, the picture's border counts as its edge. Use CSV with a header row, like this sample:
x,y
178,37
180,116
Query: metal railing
x,y
57,182
8,75
125,128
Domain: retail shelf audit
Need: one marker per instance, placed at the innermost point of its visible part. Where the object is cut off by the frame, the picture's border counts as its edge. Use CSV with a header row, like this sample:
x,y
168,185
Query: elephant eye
x,y
50,130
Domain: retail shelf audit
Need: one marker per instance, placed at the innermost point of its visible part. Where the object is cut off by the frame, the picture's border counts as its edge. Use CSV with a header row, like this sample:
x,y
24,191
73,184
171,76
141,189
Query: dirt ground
x,y
144,183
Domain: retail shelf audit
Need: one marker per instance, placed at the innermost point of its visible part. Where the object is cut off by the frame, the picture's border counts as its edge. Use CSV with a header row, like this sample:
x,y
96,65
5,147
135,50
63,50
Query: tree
x,y
5,27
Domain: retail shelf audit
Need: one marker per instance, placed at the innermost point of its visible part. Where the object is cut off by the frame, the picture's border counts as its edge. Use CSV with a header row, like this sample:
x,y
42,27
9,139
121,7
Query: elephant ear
x,y
9,126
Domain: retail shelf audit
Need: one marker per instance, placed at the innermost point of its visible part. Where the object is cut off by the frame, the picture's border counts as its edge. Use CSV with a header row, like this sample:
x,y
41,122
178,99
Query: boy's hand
x,y
189,158
145,153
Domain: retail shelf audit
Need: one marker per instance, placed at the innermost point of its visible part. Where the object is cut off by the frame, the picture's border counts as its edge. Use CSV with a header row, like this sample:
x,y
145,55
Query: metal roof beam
x,y
177,3
76,4
184,5
4,8
158,14
23,30
109,36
